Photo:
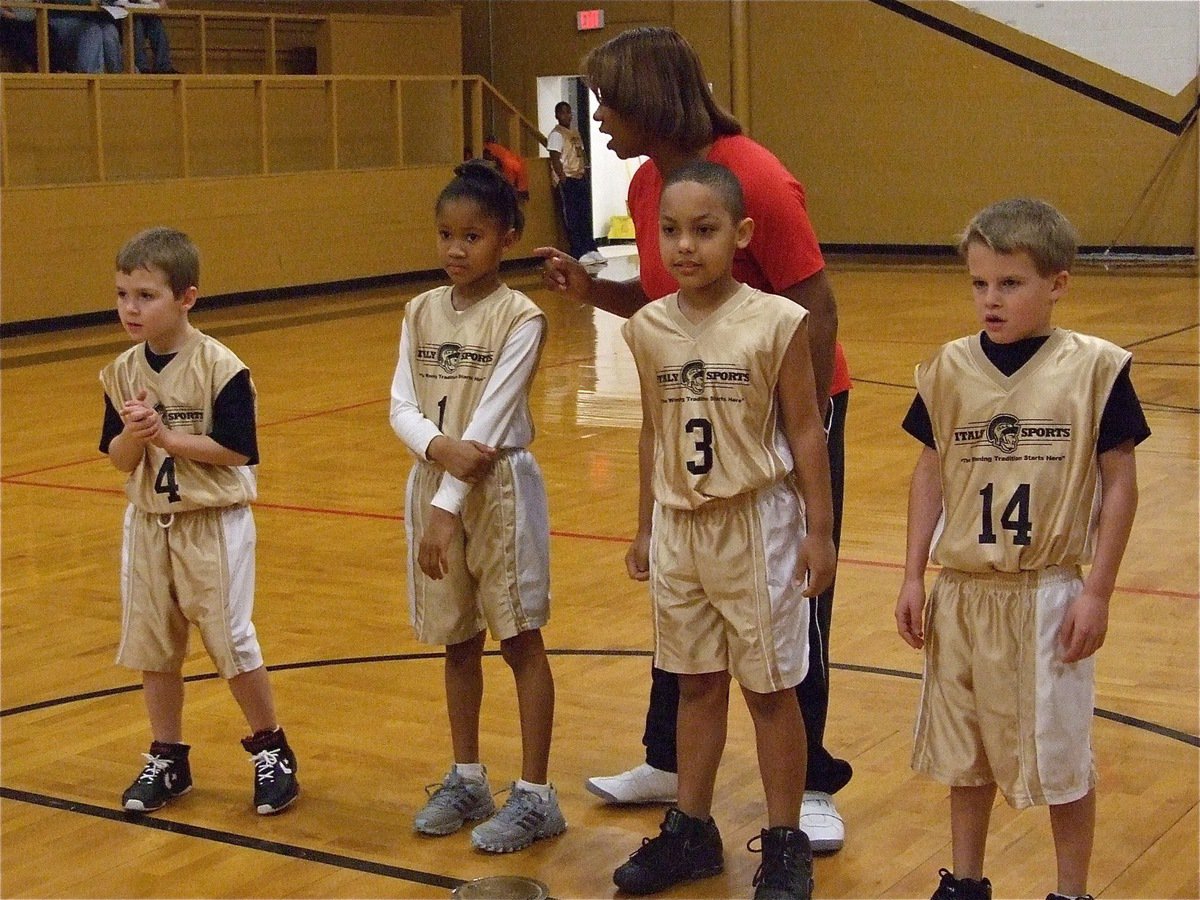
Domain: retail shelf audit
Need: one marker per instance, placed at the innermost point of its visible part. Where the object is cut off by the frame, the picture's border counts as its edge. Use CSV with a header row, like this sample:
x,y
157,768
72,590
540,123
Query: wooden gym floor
x,y
362,702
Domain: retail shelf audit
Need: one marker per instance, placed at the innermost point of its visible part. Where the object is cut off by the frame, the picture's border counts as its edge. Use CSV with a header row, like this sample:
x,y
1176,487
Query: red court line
x,y
575,535
78,462
323,412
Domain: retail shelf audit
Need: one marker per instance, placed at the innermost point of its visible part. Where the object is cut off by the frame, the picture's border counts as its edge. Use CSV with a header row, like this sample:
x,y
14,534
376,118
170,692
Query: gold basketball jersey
x,y
1020,474
453,354
183,393
715,415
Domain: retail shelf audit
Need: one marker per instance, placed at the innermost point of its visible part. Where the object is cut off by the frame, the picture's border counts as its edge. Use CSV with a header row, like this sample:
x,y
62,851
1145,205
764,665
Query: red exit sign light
x,y
589,19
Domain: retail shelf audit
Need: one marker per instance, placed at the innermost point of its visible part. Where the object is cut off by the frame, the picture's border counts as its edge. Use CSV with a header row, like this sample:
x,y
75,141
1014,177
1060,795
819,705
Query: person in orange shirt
x,y
512,166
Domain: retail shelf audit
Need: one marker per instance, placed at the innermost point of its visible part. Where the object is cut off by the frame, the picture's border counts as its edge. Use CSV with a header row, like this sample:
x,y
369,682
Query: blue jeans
x,y
151,28
96,44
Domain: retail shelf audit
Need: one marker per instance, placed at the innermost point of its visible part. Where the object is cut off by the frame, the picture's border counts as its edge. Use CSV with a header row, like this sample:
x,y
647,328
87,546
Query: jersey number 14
x,y
1015,517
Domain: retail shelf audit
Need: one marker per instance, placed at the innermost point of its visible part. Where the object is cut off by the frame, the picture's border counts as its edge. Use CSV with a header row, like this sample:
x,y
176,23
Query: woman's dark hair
x,y
653,78
480,182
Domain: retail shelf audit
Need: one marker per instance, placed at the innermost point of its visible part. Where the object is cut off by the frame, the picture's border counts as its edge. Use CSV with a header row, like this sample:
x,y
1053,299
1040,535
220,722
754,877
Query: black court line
x,y
373,867
1165,334
1137,111
1142,724
279,848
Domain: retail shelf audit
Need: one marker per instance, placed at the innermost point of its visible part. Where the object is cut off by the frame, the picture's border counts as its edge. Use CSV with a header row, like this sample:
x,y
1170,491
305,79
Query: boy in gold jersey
x,y
1027,473
728,414
180,421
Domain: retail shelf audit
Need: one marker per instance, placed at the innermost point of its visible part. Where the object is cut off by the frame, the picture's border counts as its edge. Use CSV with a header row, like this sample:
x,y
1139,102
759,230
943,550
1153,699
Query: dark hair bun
x,y
478,168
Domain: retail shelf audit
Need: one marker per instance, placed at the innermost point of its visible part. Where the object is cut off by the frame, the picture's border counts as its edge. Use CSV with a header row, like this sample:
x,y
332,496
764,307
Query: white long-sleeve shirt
x,y
500,418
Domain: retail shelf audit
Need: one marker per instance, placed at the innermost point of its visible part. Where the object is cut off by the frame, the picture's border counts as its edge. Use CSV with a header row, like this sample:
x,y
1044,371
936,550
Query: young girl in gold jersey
x,y
475,507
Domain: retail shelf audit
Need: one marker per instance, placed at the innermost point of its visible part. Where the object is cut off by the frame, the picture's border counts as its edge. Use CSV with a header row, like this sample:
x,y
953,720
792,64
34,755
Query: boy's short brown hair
x,y
1022,224
167,249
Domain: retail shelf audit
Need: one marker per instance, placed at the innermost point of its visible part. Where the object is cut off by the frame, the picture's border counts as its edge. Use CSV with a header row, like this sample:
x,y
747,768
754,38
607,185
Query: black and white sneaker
x,y
275,784
167,775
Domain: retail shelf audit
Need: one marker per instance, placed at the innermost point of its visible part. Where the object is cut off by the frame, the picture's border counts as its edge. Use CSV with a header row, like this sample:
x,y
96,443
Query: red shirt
x,y
784,249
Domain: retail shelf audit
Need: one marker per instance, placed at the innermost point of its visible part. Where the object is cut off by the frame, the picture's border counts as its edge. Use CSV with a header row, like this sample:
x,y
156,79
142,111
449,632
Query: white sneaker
x,y
642,784
820,820
594,258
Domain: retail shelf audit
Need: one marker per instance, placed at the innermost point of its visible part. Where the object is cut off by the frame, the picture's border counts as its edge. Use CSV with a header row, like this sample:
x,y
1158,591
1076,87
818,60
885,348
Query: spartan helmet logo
x,y
1003,431
447,356
692,376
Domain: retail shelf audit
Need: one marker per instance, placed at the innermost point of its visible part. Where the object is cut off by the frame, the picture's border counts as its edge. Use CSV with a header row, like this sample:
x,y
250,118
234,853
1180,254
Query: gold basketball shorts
x,y
499,574
723,591
998,705
190,567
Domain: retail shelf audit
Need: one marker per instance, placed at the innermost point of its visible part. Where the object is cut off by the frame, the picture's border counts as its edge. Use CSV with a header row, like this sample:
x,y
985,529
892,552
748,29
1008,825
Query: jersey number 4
x,y
1015,517
164,481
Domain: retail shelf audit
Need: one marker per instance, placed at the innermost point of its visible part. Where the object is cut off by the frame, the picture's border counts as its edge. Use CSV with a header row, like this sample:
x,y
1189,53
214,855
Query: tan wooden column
x,y
739,39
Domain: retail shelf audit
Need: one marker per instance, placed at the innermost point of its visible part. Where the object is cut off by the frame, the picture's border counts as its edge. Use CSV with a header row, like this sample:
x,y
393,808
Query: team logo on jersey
x,y
1003,432
695,376
1006,432
178,416
450,357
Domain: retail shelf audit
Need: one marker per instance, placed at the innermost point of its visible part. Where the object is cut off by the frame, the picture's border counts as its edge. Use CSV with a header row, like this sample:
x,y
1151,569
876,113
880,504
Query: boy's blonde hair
x,y
653,77
1021,224
166,249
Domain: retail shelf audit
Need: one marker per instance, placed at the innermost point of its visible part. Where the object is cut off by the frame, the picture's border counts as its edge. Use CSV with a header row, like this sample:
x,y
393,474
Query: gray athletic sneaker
x,y
525,818
455,802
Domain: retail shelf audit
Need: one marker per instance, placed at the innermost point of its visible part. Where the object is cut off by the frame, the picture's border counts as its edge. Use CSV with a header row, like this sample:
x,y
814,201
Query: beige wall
x,y
899,132
254,233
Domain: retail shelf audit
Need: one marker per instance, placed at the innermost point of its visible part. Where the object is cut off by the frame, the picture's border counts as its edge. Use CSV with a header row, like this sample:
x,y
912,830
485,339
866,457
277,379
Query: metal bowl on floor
x,y
502,887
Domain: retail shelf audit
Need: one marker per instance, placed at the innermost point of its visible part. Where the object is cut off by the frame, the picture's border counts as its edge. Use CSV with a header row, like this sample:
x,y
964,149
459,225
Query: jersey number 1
x,y
1015,517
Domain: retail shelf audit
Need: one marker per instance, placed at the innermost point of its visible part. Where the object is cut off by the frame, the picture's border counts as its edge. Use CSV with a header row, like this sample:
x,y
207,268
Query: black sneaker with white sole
x,y
167,775
275,784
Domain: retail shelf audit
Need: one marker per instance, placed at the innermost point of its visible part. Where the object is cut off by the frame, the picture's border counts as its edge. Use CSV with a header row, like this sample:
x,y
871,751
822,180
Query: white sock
x,y
542,790
472,771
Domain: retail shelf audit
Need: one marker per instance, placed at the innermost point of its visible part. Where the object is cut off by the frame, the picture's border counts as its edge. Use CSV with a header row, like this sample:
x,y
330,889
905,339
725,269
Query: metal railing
x,y
272,25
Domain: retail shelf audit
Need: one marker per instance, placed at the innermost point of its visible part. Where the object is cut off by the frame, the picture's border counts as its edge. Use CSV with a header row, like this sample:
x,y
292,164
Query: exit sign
x,y
589,19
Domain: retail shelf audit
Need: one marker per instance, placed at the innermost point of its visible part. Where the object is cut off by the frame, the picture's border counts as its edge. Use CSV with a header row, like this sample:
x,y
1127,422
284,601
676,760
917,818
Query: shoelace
x,y
775,876
521,806
154,766
655,847
452,793
264,764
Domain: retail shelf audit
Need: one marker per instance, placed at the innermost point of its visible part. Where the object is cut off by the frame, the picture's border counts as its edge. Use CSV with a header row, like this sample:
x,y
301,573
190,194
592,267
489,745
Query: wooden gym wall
x,y
267,213
899,117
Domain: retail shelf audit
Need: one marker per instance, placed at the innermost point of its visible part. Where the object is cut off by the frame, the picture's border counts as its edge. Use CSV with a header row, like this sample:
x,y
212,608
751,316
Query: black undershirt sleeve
x,y
234,425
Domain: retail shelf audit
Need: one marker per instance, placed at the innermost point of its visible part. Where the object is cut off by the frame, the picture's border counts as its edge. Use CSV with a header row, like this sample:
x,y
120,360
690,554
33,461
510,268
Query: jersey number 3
x,y
701,430
164,481
1015,517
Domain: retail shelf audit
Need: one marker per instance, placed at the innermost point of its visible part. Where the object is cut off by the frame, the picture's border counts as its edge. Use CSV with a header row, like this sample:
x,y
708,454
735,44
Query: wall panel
x,y
254,233
898,130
